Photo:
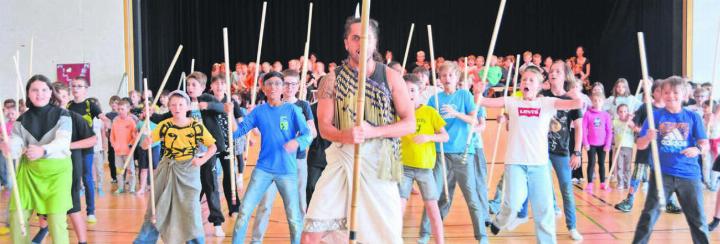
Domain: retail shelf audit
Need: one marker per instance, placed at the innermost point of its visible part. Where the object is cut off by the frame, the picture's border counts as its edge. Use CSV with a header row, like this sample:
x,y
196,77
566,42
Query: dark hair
x,y
39,78
421,71
392,63
620,106
372,26
412,79
272,74
219,77
9,102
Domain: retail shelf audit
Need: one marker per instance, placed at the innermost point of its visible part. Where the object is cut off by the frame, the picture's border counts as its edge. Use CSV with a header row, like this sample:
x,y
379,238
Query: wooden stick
x,y
11,176
192,66
357,10
360,113
713,78
617,149
20,92
437,105
257,58
651,121
407,46
153,219
493,39
231,139
121,171
517,74
181,83
306,52
30,65
499,129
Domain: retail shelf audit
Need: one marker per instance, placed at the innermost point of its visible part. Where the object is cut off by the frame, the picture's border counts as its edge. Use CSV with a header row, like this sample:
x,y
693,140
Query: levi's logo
x,y
529,112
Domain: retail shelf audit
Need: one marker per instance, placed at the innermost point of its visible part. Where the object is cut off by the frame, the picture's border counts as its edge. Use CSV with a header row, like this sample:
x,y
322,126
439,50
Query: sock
x,y
40,235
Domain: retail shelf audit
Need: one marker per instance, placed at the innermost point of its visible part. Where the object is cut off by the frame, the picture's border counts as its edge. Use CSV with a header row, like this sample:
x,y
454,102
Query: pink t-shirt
x,y
597,128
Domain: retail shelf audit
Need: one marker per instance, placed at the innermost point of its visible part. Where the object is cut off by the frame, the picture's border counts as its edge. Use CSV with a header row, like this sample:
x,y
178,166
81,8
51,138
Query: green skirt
x,y
44,185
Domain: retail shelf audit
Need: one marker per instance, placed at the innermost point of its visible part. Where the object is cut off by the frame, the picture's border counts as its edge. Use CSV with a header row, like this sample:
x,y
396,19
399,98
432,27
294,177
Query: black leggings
x,y
600,152
210,190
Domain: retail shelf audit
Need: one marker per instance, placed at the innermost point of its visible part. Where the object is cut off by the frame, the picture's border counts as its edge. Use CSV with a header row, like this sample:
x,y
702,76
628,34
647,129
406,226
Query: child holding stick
x,y
178,177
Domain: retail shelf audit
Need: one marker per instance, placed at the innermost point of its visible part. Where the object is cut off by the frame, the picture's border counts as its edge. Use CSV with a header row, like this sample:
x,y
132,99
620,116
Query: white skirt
x,y
379,219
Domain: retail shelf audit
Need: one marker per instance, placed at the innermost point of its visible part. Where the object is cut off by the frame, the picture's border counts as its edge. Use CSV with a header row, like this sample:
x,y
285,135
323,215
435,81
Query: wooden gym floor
x,y
120,217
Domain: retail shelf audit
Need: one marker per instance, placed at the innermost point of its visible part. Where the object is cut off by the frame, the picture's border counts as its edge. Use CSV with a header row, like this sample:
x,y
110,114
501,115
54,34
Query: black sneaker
x,y
713,224
494,229
672,209
624,206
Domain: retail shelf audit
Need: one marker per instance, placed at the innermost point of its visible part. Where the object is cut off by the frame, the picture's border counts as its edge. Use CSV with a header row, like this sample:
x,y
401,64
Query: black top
x,y
223,122
80,130
316,151
38,121
307,112
559,142
86,109
642,156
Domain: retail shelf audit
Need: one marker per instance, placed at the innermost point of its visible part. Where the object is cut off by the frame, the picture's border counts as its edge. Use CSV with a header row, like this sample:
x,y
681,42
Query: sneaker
x,y
4,230
575,235
219,231
423,239
119,191
624,206
113,181
713,224
589,187
40,235
620,187
517,222
575,180
604,186
132,191
141,192
671,208
91,219
494,229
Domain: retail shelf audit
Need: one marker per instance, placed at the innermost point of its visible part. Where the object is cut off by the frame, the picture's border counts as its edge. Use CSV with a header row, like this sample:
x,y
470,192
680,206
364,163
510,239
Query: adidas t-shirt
x,y
677,132
529,124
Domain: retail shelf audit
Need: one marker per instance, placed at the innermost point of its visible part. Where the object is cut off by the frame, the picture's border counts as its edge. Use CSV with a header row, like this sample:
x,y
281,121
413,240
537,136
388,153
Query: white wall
x,y
67,31
706,17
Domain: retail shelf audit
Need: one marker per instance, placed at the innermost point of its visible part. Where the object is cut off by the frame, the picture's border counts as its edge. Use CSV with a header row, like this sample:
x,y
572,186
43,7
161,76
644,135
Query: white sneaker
x,y
517,222
91,219
219,231
575,235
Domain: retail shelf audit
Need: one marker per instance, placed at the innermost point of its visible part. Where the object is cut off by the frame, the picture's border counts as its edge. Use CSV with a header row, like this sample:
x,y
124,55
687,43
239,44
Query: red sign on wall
x,y
67,72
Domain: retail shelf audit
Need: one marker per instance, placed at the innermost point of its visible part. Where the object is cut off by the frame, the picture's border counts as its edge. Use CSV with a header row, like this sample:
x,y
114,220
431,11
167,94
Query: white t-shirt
x,y
529,125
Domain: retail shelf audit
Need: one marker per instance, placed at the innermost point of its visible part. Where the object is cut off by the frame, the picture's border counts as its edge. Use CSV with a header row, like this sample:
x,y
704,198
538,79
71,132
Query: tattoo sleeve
x,y
326,90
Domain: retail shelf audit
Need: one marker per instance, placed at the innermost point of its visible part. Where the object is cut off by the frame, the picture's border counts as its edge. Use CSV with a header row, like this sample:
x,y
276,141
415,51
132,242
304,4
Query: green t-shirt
x,y
427,122
494,75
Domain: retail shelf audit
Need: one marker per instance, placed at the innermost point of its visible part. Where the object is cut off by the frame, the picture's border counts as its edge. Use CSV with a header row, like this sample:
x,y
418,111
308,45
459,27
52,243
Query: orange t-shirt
x,y
122,135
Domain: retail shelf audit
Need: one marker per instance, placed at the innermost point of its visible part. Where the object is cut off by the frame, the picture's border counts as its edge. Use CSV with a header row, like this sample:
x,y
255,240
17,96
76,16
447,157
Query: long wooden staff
x,y
517,72
11,176
231,139
651,121
20,91
181,83
499,127
407,46
617,148
121,171
493,39
437,105
360,113
257,58
306,52
153,219
257,71
30,65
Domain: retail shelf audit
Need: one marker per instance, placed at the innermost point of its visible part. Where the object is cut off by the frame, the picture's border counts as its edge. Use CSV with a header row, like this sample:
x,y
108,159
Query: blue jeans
x,y
149,235
259,183
89,183
495,203
561,164
481,181
262,215
533,183
464,176
690,194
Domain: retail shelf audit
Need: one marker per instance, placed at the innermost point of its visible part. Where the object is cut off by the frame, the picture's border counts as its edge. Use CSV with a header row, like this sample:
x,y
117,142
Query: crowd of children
x,y
550,122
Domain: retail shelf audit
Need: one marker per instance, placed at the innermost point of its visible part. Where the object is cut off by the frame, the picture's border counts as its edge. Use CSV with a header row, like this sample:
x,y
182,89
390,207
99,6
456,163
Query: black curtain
x,y
606,28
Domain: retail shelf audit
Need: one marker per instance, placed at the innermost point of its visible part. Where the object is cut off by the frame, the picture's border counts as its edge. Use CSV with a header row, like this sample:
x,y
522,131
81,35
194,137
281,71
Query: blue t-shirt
x,y
461,101
140,124
676,132
278,125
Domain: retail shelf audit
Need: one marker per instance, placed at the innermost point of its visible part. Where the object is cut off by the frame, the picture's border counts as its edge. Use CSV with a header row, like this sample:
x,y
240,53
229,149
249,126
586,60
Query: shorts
x,y
425,180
